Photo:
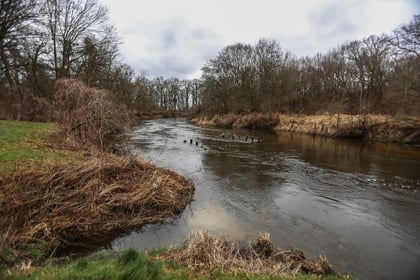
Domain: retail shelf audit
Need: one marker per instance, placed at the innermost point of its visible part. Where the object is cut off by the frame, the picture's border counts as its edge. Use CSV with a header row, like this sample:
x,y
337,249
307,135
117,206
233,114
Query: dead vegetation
x,y
376,127
251,121
203,254
89,117
257,121
21,103
85,202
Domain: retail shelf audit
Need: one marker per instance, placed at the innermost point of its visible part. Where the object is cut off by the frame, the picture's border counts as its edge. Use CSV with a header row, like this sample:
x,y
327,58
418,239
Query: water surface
x,y
354,202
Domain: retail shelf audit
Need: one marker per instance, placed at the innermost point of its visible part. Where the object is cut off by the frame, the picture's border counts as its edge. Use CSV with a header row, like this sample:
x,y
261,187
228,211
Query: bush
x,y
89,116
20,103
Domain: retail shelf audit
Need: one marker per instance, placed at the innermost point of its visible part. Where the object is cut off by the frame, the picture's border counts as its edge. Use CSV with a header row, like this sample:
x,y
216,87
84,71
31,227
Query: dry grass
x,y
378,127
85,202
203,253
89,117
326,125
216,120
256,121
251,121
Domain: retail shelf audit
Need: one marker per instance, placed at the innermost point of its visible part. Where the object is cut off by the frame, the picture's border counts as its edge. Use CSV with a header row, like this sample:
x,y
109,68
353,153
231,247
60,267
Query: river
x,y
354,202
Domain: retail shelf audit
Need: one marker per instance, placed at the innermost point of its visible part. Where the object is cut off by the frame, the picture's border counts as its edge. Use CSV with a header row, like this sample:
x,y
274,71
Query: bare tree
x,y
15,20
407,38
69,23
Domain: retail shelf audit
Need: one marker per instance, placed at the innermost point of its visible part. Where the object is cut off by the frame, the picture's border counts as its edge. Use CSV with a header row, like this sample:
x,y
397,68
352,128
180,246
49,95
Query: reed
x,y
204,254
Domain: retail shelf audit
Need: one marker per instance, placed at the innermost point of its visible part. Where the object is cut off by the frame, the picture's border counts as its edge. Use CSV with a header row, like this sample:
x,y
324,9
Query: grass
x,y
127,265
130,264
21,142
384,128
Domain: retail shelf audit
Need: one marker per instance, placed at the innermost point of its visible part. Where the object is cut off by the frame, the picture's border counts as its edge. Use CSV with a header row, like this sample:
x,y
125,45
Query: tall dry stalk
x,y
89,117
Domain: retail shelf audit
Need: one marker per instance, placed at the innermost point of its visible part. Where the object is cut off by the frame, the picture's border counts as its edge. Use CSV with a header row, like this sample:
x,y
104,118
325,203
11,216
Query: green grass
x,y
21,142
128,265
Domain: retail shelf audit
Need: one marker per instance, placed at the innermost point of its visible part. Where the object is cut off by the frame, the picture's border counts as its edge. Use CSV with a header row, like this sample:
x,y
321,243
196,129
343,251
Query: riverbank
x,y
160,114
55,199
382,128
202,256
58,200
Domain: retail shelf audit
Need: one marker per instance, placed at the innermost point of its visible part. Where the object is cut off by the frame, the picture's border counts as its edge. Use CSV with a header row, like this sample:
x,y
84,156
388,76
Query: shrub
x,y
89,116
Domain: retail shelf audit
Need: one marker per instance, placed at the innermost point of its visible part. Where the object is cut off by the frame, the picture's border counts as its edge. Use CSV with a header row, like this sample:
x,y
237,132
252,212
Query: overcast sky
x,y
175,38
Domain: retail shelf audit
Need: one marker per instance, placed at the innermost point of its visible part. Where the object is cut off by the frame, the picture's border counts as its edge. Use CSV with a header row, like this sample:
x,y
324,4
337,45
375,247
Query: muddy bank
x,y
382,128
48,207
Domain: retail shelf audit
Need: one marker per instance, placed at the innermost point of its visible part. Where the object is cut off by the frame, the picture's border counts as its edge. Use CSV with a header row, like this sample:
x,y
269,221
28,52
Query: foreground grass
x,y
130,264
21,142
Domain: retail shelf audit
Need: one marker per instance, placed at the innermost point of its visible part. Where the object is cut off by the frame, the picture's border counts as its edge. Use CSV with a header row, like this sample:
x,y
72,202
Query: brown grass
x,y
256,121
204,254
89,117
85,202
377,127
251,121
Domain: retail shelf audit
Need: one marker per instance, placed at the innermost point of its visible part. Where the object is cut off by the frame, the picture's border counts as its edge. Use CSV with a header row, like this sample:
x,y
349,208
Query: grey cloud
x,y
177,49
168,39
337,18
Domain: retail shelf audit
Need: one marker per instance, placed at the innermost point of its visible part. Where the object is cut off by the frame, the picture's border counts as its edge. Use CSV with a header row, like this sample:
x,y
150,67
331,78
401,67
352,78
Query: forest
x,y
43,41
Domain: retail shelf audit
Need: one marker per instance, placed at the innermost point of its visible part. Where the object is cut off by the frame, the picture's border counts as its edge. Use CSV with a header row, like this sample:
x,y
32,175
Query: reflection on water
x,y
351,201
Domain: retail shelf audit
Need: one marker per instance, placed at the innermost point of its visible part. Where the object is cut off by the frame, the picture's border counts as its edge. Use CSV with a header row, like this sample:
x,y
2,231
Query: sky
x,y
175,38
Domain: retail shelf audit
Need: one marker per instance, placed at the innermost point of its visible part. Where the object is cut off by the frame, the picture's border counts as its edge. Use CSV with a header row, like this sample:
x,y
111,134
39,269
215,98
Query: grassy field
x,y
21,142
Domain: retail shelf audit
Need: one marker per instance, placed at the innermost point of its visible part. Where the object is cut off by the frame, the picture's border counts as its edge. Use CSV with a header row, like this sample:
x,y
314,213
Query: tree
x,y
407,38
229,79
404,75
269,60
97,59
69,23
15,19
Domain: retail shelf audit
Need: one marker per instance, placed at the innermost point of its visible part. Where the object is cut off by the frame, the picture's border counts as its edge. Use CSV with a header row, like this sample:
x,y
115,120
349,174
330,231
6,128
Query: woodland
x,y
43,41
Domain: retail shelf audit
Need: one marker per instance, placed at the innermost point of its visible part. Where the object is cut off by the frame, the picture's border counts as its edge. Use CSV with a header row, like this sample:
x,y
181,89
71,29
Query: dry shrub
x,y
86,202
251,121
256,121
224,120
89,116
20,103
204,254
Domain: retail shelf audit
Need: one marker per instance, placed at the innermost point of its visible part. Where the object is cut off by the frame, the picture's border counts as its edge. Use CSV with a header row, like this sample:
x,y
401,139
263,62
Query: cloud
x,y
175,49
335,18
176,38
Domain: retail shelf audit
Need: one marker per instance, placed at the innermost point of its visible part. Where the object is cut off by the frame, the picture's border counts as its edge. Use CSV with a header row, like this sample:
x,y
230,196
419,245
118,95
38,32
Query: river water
x,y
354,202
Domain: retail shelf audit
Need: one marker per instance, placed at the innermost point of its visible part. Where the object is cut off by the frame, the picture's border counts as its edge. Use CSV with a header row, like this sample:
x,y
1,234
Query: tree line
x,y
42,41
377,74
